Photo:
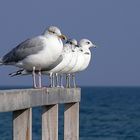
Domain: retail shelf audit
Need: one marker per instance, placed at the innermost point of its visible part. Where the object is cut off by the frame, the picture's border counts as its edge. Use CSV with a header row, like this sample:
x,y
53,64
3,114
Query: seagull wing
x,y
24,49
58,61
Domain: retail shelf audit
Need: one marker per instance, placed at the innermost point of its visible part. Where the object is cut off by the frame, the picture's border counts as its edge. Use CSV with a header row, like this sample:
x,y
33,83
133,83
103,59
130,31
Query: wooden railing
x,y
21,101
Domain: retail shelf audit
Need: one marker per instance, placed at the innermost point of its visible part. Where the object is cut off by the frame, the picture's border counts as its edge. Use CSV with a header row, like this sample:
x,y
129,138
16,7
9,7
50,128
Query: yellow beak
x,y
62,37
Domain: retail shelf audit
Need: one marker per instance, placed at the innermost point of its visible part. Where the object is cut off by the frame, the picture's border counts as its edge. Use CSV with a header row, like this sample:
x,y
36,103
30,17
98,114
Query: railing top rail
x,y
17,99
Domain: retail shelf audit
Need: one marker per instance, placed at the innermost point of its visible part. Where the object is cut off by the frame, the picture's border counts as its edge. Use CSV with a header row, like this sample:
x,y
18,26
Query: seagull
x,y
37,53
72,61
82,59
85,45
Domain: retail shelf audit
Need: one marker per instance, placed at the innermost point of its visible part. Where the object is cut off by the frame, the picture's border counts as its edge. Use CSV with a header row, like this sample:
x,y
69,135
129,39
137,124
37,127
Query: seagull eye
x,y
71,43
88,42
52,32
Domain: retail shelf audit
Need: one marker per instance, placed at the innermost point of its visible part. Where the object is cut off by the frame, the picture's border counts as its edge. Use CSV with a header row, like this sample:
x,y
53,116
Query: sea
x,y
106,113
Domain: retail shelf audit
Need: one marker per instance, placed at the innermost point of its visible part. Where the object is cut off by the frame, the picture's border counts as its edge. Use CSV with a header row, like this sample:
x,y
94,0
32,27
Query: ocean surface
x,y
106,113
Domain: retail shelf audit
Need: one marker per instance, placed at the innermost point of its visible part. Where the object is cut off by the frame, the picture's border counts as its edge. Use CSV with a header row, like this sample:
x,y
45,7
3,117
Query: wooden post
x,y
71,121
22,124
50,122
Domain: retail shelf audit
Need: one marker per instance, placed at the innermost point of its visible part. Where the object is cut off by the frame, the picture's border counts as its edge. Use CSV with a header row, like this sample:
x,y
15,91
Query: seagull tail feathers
x,y
19,72
1,61
13,74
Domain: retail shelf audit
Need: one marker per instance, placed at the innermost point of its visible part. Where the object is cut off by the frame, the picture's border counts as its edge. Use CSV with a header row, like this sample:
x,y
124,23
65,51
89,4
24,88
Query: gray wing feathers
x,y
59,60
19,72
26,48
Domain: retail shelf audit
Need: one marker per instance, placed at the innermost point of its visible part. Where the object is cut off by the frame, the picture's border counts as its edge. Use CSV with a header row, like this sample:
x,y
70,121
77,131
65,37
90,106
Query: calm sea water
x,y
106,113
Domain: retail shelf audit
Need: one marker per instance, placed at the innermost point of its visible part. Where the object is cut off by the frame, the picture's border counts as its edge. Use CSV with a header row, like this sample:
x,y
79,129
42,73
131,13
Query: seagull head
x,y
72,42
86,43
53,30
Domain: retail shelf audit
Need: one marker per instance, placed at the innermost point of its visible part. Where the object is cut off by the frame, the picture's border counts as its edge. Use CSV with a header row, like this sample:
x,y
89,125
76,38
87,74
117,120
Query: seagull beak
x,y
94,46
62,37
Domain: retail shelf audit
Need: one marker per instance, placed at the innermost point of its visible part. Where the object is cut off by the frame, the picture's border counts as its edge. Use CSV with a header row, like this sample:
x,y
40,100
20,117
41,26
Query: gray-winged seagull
x,y
37,53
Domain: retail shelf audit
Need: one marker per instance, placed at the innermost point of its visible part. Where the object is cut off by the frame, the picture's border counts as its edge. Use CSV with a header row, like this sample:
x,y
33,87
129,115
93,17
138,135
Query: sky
x,y
114,25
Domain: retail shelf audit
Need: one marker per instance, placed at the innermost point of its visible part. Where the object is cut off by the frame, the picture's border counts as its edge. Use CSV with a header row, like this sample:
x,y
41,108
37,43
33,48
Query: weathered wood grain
x,y
22,124
50,122
71,121
11,100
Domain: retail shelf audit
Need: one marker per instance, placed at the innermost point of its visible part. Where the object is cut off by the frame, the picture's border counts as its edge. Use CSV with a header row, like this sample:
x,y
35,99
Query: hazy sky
x,y
114,25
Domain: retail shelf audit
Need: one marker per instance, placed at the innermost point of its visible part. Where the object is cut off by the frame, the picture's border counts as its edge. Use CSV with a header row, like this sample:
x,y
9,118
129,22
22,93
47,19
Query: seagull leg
x,y
34,78
66,80
51,80
39,79
57,80
69,81
61,81
74,81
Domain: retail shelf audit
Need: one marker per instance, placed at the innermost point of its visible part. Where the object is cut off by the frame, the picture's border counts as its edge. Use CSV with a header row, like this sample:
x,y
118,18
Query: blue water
x,y
106,113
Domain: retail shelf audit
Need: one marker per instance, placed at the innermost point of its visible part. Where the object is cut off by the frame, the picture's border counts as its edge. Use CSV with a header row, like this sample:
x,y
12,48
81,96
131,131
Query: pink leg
x,y
39,79
34,78
51,81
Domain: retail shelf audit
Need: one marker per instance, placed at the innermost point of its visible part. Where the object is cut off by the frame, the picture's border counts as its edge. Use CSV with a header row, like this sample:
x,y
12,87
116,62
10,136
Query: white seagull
x,y
72,61
38,53
82,59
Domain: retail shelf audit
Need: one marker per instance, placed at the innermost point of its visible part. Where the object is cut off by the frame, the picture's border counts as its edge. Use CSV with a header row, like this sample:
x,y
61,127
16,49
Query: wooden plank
x,y
71,121
22,124
11,100
50,122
